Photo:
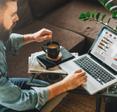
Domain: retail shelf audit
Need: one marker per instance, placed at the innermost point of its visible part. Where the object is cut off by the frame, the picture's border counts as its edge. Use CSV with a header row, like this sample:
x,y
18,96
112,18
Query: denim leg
x,y
23,84
4,109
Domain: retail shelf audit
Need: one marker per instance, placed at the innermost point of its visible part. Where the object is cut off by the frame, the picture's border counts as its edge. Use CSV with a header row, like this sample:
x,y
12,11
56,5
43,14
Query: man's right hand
x,y
68,83
75,80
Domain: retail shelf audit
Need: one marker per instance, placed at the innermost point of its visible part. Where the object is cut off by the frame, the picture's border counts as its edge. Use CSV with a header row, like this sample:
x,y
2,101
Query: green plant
x,y
111,6
101,17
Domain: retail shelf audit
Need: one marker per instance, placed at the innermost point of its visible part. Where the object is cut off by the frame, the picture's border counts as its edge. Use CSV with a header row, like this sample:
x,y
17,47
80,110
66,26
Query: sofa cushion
x,y
67,38
24,13
67,17
70,40
41,7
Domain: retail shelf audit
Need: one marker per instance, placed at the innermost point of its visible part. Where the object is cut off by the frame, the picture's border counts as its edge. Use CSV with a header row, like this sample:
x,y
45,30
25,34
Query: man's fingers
x,y
83,78
81,74
78,71
42,35
46,31
84,82
46,37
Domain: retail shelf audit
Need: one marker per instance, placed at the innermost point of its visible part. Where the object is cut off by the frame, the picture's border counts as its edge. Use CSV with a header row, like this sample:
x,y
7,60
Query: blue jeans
x,y
23,84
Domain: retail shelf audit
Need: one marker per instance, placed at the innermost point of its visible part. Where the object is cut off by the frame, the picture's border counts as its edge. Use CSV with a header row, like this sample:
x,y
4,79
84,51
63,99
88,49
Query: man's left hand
x,y
42,35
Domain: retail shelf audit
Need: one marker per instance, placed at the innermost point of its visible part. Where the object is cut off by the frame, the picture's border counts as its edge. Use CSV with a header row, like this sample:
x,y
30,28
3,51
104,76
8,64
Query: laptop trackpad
x,y
70,67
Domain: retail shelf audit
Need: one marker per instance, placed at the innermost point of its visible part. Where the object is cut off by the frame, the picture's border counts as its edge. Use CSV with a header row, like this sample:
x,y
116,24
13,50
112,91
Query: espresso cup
x,y
52,49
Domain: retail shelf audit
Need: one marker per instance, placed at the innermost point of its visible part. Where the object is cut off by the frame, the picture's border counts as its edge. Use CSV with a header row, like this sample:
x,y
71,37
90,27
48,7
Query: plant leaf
x,y
88,14
108,20
93,15
103,16
103,2
97,16
109,5
114,14
116,28
84,16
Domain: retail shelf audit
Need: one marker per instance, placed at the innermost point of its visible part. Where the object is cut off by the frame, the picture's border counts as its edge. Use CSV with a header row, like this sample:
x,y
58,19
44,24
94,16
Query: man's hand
x,y
68,83
40,36
75,80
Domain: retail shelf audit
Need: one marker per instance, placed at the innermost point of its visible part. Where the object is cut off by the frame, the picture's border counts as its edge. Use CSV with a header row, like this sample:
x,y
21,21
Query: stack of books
x,y
38,63
35,67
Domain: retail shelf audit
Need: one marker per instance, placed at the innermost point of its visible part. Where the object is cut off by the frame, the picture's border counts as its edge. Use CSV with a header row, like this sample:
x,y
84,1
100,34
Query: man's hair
x,y
3,2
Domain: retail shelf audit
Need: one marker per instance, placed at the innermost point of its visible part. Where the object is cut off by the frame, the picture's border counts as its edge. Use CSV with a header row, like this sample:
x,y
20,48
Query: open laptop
x,y
100,63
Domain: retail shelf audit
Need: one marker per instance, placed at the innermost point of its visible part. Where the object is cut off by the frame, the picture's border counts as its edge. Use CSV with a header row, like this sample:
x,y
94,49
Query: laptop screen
x,y
105,48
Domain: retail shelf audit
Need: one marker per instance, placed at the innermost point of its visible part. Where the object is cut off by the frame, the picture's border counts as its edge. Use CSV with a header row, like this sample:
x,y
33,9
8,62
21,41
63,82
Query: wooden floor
x,y
78,103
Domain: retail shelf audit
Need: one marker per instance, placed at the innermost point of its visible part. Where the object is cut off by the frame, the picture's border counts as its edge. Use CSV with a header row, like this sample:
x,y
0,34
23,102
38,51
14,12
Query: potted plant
x,y
102,18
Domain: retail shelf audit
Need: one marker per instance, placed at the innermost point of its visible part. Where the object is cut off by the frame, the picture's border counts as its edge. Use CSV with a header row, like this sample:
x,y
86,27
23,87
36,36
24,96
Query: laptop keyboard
x,y
94,70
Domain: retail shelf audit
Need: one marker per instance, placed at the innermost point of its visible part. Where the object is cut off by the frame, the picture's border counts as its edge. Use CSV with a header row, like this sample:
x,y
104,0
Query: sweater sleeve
x,y
15,42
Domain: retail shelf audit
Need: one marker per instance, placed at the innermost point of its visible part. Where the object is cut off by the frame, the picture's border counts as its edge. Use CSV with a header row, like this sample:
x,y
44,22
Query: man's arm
x,y
40,36
13,97
16,41
70,82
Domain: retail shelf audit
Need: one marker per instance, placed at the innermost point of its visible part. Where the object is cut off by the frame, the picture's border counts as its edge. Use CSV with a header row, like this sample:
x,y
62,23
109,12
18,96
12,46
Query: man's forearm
x,y
28,38
40,36
57,89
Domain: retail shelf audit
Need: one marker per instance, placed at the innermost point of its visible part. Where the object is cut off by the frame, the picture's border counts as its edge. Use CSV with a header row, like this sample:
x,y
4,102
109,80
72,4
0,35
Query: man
x,y
15,94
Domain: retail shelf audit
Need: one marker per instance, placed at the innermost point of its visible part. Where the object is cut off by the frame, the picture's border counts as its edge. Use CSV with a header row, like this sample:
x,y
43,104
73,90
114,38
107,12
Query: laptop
x,y
100,63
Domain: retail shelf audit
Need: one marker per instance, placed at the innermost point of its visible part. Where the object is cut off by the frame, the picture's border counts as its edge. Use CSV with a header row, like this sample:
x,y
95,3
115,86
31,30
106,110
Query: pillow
x,y
24,13
41,7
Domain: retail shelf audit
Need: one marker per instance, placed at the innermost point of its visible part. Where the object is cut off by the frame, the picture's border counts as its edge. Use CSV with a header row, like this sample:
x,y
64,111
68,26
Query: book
x,y
35,67
47,63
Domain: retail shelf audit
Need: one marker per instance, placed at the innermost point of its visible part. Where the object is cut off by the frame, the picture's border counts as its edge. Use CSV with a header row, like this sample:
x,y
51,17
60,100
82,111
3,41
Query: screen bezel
x,y
100,61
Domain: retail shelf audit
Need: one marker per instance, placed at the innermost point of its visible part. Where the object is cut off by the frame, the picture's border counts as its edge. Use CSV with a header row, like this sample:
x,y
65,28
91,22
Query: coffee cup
x,y
52,49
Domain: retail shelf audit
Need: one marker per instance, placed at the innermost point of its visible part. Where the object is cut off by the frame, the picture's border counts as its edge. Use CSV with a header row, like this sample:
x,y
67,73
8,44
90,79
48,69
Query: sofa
x,y
60,16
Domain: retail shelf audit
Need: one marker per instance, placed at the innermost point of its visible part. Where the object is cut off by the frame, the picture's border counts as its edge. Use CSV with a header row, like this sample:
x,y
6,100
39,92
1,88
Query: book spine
x,y
42,64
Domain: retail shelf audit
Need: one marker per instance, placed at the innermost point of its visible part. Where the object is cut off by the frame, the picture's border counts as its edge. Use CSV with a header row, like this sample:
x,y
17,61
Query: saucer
x,y
57,59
